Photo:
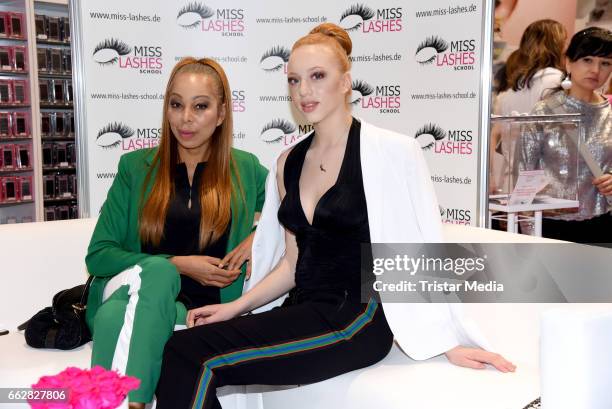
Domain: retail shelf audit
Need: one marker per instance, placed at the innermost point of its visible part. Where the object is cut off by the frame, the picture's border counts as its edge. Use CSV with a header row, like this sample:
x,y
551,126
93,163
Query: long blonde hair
x,y
541,47
216,183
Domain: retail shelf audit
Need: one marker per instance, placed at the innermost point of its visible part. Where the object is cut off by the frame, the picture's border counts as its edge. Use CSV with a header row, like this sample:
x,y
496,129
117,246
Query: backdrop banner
x,y
416,70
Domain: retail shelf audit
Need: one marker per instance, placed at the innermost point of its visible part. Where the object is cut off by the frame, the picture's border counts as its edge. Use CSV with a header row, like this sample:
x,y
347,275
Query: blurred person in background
x,y
588,64
534,70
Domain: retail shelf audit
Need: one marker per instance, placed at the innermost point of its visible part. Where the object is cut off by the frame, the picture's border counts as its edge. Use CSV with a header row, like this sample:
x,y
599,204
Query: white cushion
x,y
48,257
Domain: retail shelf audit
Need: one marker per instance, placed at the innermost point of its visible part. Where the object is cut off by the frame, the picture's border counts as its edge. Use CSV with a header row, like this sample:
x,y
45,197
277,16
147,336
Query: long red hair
x,y
216,183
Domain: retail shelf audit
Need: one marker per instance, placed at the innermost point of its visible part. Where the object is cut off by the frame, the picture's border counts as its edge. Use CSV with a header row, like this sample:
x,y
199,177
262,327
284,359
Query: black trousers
x,y
289,345
596,231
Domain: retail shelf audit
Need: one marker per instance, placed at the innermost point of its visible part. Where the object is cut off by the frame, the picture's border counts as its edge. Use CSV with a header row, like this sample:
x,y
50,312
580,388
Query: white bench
x,y
39,259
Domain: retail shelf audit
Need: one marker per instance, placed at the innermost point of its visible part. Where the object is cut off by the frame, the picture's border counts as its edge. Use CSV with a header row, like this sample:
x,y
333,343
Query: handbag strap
x,y
85,293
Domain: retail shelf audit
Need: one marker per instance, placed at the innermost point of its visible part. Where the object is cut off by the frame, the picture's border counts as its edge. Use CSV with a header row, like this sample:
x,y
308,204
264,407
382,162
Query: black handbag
x,y
62,325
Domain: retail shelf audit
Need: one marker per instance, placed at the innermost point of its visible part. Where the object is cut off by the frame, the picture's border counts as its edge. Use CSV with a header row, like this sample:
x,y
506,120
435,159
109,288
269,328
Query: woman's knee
x,y
185,345
109,317
159,270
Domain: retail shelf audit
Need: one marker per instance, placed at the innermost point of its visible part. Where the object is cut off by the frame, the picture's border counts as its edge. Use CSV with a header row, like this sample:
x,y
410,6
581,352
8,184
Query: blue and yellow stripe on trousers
x,y
273,351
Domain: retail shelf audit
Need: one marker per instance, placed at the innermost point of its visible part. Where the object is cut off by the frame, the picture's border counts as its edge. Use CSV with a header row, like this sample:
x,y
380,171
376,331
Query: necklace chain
x,y
321,167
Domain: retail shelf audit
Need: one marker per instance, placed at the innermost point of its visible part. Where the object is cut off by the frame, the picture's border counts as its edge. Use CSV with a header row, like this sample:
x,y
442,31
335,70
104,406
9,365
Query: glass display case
x,y
534,164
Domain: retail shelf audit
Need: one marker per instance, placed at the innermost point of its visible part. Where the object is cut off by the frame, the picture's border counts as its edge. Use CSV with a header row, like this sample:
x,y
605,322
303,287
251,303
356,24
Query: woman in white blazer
x,y
344,184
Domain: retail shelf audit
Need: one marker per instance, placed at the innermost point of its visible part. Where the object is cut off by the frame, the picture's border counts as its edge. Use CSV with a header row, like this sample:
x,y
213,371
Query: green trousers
x,y
134,322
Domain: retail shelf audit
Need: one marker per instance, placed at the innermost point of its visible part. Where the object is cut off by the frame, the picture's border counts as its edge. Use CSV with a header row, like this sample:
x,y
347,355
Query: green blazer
x,y
115,244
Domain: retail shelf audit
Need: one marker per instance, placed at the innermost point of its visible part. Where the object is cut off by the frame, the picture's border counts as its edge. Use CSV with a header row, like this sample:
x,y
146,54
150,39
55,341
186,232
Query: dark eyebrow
x,y
194,98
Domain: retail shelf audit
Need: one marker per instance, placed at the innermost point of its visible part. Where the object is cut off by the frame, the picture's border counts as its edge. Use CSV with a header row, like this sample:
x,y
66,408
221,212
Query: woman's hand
x,y
212,313
476,358
236,258
205,270
604,184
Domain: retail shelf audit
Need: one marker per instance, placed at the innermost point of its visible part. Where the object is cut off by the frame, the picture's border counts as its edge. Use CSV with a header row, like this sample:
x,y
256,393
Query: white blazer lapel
x,y
269,240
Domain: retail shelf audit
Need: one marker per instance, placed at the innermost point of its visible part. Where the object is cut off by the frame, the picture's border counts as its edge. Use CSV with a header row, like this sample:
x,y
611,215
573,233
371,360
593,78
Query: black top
x,y
329,250
182,235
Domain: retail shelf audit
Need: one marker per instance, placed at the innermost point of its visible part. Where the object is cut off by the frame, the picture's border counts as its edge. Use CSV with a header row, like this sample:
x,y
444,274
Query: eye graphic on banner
x,y
455,215
426,51
119,135
192,14
360,89
146,59
108,51
354,17
361,18
384,99
428,135
227,22
433,138
112,134
460,55
275,58
277,130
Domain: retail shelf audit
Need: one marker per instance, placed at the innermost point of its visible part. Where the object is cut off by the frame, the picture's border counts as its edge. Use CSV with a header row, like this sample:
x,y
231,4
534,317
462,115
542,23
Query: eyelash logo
x,y
192,15
355,16
360,89
428,50
108,51
275,58
455,215
276,129
428,135
112,134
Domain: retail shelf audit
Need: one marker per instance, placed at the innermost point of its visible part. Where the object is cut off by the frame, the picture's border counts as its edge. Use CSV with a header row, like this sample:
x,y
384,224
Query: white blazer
x,y
402,208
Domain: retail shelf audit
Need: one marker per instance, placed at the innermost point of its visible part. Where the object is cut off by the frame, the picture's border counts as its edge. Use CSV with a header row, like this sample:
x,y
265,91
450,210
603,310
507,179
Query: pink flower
x,y
95,388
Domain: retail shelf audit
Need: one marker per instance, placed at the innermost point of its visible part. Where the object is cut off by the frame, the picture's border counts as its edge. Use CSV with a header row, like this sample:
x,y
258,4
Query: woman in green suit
x,y
175,230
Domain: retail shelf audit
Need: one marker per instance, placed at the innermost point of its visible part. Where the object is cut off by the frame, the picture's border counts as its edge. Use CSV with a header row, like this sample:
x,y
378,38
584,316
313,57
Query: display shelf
x,y
60,199
13,41
16,139
51,22
10,171
58,168
53,43
9,106
19,74
16,111
57,106
48,75
59,139
16,203
45,32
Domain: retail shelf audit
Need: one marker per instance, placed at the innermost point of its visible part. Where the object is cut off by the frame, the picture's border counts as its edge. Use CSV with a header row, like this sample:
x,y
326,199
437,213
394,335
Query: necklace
x,y
321,167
